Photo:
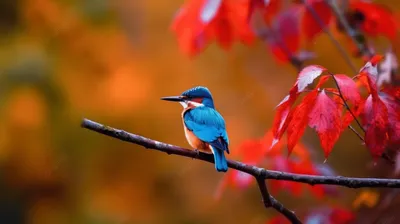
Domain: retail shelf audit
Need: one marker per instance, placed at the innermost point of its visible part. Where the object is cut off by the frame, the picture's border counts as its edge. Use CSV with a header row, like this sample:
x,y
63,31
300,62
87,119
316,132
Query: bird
x,y
204,126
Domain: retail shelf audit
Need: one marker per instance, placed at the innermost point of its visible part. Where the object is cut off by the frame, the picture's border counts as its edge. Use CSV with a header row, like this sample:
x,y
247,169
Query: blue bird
x,y
204,127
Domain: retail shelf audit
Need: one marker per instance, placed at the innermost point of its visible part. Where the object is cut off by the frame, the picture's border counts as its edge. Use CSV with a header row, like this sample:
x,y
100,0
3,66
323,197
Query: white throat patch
x,y
192,104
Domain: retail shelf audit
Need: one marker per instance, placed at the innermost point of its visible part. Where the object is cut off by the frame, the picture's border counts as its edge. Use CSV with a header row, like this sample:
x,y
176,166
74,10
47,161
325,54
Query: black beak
x,y
174,98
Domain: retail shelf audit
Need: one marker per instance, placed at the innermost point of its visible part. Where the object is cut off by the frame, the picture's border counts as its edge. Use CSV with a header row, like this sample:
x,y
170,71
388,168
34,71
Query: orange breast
x,y
195,142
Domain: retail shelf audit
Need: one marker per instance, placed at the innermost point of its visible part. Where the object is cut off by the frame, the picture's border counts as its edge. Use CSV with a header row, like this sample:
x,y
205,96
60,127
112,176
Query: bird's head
x,y
194,97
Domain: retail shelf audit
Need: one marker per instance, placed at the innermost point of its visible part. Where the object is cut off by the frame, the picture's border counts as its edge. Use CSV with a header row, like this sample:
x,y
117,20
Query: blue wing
x,y
208,125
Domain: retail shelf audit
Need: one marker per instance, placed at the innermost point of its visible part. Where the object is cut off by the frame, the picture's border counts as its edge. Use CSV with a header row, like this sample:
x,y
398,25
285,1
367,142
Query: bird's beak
x,y
173,98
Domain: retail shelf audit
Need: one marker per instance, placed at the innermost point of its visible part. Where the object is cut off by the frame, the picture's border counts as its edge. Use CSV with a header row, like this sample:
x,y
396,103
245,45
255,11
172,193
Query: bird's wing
x,y
208,125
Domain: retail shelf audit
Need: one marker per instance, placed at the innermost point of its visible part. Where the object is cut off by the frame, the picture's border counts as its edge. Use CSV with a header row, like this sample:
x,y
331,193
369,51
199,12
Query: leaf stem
x,y
345,102
356,132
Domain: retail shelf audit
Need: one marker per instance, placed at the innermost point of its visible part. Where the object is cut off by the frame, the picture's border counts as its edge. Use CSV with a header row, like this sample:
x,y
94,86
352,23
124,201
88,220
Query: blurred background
x,y
111,61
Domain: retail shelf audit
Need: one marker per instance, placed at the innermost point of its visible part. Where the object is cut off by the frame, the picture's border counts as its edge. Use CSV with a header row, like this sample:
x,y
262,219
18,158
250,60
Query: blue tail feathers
x,y
221,165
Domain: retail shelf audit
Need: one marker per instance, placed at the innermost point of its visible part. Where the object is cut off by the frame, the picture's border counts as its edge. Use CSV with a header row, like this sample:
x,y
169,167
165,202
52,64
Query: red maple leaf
x,y
393,108
307,76
348,117
392,91
375,19
375,120
281,121
284,34
348,88
295,121
199,22
298,119
312,27
325,119
269,8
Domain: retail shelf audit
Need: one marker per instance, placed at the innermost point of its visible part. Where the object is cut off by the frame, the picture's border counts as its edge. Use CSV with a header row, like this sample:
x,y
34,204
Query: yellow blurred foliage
x,y
367,198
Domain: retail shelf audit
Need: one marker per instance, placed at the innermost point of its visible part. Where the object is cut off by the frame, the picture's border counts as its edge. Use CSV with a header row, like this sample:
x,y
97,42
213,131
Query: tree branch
x,y
351,182
270,201
259,173
266,197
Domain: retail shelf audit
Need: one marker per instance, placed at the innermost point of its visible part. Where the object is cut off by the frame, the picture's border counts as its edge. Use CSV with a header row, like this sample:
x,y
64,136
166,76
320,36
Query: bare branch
x,y
284,211
266,197
270,201
259,173
351,182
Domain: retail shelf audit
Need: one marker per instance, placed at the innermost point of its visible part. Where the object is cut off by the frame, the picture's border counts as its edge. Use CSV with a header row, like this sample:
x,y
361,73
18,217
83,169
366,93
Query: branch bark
x,y
270,201
260,174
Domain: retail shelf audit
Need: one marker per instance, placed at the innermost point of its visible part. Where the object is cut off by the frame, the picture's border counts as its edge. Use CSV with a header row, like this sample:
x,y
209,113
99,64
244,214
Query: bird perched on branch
x,y
204,127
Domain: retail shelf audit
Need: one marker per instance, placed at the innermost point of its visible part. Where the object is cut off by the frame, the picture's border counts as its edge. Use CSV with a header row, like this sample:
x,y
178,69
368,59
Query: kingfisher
x,y
203,125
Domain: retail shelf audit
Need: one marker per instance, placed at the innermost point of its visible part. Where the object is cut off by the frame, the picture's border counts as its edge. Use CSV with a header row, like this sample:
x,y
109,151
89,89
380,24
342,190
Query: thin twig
x,y
270,201
330,35
255,171
345,102
284,211
266,197
356,132
354,35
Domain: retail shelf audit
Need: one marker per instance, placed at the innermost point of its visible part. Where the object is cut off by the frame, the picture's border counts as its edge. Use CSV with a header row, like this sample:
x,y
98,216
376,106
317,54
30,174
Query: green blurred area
x,y
111,61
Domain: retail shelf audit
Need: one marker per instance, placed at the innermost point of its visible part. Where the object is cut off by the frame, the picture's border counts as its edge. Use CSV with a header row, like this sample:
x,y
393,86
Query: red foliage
x,y
325,119
375,19
323,112
260,151
329,111
284,34
310,26
201,21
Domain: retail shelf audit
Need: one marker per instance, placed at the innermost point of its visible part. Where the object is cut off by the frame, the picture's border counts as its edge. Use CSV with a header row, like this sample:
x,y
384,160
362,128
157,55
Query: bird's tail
x,y
221,165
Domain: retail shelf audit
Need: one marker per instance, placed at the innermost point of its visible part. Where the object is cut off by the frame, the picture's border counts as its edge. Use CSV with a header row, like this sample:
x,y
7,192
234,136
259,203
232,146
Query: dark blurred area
x,y
111,61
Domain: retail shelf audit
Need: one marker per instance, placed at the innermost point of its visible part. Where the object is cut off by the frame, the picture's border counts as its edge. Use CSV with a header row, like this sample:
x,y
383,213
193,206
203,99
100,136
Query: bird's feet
x,y
197,153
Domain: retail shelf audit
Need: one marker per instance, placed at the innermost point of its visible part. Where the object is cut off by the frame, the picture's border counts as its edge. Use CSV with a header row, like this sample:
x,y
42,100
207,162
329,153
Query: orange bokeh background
x,y
111,61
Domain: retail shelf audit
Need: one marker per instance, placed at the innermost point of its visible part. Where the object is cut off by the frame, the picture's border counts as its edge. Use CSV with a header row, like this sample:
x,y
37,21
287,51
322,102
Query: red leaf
x,y
298,121
281,118
310,25
341,216
189,28
236,13
393,91
285,38
377,19
393,108
375,118
307,76
270,9
200,21
348,117
348,88
325,119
